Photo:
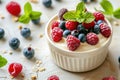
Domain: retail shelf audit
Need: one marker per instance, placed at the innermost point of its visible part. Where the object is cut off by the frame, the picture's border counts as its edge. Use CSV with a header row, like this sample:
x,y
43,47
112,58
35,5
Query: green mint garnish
x,y
116,13
79,15
29,14
3,61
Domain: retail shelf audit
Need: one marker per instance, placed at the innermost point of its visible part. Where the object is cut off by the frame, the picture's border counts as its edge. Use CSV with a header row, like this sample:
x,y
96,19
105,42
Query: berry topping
x,y
29,52
61,13
36,21
82,37
75,33
47,3
2,33
55,24
66,33
89,25
92,38
98,16
14,69
109,78
62,25
13,8
96,29
25,32
72,42
14,43
57,34
119,59
105,30
99,22
53,77
71,25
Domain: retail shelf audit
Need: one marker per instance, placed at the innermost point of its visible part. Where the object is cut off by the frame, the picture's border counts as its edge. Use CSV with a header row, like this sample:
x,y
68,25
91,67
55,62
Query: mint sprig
x,y
3,61
79,15
29,14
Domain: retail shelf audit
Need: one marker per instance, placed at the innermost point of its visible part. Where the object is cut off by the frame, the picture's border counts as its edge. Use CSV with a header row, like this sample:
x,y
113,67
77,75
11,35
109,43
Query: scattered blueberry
x,y
96,29
25,32
66,33
2,33
36,21
99,22
29,52
61,13
14,43
82,37
75,33
119,59
47,3
62,25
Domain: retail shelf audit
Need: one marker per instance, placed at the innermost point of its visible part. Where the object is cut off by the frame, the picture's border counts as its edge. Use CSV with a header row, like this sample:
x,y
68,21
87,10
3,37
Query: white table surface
x,y
108,68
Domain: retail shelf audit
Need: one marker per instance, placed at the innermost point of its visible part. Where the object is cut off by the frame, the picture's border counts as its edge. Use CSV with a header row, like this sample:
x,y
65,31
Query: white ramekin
x,y
77,61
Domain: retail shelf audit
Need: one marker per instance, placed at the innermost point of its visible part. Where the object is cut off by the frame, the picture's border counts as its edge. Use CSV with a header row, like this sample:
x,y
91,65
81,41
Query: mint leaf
x,y
80,20
80,8
24,19
116,13
27,8
3,61
35,15
107,6
88,17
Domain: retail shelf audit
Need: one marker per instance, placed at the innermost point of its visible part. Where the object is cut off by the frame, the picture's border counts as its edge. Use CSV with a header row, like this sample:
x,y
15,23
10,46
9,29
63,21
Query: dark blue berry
x,y
29,52
25,32
96,29
82,37
81,28
47,3
99,22
62,25
119,59
14,43
90,30
2,33
85,1
36,21
75,33
66,33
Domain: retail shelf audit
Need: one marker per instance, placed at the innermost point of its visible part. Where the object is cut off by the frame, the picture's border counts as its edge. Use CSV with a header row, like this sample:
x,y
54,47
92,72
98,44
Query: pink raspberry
x,y
72,42
71,25
105,30
109,78
55,24
98,16
92,38
57,34
88,25
53,77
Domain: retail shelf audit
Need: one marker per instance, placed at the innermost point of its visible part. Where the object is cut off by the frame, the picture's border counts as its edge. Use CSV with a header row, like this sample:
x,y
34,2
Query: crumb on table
x,y
33,77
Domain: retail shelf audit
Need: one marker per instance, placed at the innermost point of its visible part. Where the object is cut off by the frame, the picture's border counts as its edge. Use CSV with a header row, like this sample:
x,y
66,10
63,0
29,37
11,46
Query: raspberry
x,y
92,38
55,24
98,16
53,77
14,69
89,25
109,78
72,42
13,8
105,30
57,34
71,25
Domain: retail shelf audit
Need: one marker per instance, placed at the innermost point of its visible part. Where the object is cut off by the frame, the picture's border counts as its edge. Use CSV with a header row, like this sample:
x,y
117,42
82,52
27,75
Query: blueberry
x,y
119,59
75,33
90,30
85,1
14,43
62,25
47,3
81,29
2,33
99,22
25,32
28,52
66,33
36,21
96,29
61,13
82,37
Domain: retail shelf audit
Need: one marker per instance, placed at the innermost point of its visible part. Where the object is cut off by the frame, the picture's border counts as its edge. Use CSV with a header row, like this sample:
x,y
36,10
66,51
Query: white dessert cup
x,y
77,61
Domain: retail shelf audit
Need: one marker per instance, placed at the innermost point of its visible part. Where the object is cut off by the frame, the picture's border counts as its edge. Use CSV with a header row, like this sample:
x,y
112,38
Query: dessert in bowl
x,y
78,46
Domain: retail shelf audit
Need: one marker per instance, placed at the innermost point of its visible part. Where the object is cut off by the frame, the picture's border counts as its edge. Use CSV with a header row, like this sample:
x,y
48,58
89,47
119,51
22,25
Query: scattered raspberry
x,y
71,25
98,16
89,25
109,78
57,34
72,42
55,24
92,38
13,8
105,30
14,69
53,77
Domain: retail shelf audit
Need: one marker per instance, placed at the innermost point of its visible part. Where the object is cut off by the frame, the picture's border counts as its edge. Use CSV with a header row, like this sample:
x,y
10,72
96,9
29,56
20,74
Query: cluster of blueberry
x,y
14,43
